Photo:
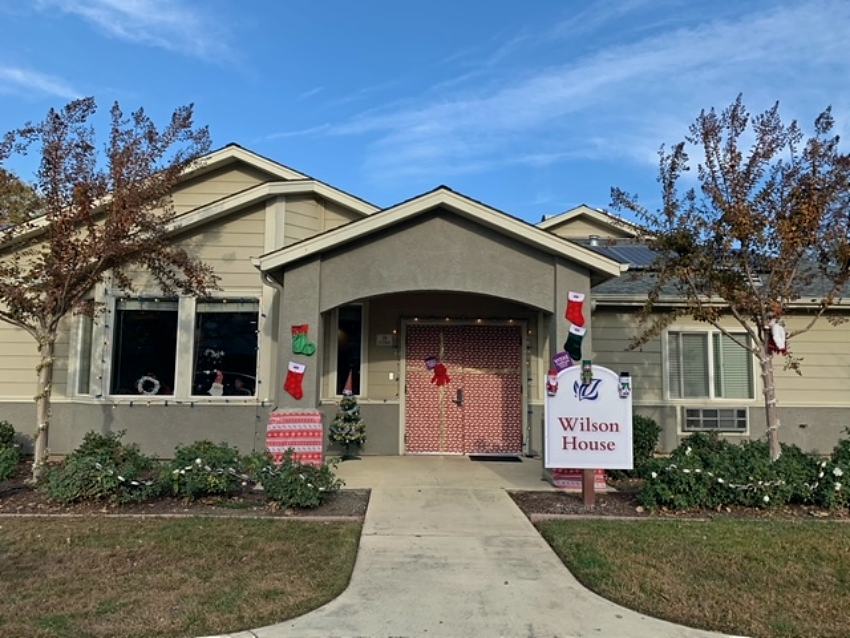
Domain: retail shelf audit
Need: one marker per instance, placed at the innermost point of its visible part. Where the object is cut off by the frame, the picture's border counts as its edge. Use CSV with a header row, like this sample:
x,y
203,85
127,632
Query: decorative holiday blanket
x,y
300,431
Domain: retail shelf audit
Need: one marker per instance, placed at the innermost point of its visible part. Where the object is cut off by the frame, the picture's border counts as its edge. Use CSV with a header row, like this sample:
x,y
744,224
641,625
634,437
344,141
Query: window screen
x,y
733,368
144,347
688,365
225,348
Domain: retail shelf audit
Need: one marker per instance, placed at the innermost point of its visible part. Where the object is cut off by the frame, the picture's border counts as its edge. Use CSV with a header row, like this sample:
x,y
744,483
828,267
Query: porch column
x,y
300,305
569,277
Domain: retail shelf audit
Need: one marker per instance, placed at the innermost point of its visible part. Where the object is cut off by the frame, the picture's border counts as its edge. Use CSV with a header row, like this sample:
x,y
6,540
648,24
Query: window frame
x,y
708,335
364,351
106,376
191,363
184,355
683,420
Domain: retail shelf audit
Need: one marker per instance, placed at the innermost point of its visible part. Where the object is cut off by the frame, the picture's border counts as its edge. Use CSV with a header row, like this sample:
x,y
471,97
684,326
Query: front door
x,y
480,410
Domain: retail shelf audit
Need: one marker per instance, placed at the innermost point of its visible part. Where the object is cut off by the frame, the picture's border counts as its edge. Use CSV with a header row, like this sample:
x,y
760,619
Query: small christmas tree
x,y
348,428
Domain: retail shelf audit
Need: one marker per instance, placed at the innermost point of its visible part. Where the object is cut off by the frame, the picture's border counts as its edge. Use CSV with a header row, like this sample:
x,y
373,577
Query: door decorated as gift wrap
x,y
479,411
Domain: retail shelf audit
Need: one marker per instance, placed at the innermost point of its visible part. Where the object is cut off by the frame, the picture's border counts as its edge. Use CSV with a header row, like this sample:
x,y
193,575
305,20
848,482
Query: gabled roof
x,y
445,198
599,216
231,203
234,152
295,183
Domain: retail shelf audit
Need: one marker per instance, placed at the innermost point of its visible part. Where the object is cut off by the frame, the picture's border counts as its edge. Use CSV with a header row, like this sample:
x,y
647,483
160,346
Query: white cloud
x,y
167,24
321,128
27,81
622,101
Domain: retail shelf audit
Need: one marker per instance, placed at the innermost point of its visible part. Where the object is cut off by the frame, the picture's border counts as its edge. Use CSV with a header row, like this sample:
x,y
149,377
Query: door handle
x,y
458,401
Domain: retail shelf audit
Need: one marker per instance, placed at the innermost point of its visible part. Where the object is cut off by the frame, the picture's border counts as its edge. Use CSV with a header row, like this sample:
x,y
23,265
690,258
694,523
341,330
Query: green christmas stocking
x,y
300,343
573,343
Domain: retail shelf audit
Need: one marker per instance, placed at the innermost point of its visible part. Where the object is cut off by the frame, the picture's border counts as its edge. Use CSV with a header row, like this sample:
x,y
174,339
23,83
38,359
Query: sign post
x,y
588,423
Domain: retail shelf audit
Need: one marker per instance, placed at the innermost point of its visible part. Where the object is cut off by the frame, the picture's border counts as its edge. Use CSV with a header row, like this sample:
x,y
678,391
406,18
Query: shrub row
x,y
708,472
10,452
103,468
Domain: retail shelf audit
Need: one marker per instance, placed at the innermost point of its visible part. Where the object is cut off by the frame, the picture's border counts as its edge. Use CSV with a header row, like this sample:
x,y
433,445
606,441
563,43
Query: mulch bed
x,y
625,505
16,497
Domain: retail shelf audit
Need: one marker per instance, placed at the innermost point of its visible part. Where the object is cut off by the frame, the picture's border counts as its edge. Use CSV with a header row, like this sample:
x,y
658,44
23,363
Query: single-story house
x,y
321,289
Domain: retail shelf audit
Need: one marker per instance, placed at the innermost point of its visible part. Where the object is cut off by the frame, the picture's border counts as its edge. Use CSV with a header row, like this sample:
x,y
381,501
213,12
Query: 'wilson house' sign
x,y
589,425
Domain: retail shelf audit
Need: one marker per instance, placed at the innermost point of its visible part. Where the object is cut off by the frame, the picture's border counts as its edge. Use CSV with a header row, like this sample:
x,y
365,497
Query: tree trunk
x,y
46,346
771,411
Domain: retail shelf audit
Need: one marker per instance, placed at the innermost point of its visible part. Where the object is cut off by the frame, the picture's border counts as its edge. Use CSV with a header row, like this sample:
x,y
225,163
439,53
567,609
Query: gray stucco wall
x,y
438,252
156,429
812,429
382,429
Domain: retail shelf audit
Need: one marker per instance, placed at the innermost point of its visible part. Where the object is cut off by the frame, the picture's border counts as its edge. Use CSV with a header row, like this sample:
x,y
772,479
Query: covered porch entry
x,y
440,280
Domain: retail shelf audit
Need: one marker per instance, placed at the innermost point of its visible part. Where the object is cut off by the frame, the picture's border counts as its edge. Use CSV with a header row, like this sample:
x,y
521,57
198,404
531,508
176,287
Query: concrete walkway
x,y
445,552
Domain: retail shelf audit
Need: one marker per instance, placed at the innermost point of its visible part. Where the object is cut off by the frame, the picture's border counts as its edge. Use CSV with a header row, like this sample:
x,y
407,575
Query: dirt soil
x,y
626,504
16,497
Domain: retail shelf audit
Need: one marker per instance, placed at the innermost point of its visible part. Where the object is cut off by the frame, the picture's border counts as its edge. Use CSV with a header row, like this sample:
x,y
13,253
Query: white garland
x,y
758,485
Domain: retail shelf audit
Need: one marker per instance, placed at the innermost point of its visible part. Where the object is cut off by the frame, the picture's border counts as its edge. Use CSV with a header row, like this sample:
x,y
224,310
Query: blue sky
x,y
531,107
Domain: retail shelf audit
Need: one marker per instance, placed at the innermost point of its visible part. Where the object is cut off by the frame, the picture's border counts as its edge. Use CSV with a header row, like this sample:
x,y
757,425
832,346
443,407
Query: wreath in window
x,y
147,385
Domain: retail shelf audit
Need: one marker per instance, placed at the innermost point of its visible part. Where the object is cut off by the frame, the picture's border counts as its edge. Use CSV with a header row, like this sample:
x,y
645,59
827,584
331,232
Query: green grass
x,y
161,578
757,578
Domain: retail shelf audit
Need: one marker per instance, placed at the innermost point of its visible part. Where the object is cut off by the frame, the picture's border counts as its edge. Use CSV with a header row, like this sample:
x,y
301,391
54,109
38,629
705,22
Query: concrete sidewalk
x,y
445,552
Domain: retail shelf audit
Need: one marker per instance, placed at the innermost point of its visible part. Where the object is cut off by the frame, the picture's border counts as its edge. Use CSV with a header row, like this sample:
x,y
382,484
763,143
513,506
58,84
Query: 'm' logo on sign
x,y
587,391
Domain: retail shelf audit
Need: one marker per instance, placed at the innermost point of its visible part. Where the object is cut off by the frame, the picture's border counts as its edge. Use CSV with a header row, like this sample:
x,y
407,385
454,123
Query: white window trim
x,y
364,352
711,399
184,357
191,323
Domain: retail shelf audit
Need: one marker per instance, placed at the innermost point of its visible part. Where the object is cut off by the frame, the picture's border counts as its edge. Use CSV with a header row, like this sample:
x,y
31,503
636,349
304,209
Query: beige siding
x,y
20,357
307,215
583,227
825,367
612,334
17,363
228,246
217,184
303,218
335,215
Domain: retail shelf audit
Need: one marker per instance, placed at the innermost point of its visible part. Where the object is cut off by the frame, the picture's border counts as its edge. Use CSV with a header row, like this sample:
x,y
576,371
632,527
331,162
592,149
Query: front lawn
x,y
157,578
756,578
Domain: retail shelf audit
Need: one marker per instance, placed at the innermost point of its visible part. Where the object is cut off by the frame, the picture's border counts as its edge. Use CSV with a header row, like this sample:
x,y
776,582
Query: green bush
x,y
7,434
708,472
206,469
9,459
254,464
103,468
646,432
293,484
10,453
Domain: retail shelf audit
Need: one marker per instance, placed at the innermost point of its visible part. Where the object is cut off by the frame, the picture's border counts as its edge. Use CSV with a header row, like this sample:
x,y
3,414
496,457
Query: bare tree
x,y
769,222
97,214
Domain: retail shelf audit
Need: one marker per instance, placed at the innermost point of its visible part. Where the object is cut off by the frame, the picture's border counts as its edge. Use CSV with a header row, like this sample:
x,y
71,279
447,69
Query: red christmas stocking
x,y
575,301
441,375
294,378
